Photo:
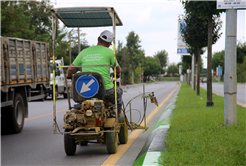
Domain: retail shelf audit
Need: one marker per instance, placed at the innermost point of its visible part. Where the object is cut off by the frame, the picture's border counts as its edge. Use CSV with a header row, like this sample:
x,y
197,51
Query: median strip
x,y
112,160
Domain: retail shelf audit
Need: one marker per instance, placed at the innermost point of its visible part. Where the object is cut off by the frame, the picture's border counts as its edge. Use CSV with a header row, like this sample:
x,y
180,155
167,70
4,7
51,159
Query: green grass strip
x,y
140,160
197,135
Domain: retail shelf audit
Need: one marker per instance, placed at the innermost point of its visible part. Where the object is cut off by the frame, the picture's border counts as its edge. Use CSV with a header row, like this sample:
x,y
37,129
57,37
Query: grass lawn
x,y
168,79
197,135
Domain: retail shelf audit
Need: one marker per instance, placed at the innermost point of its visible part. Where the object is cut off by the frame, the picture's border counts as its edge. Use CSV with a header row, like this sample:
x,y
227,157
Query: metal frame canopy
x,y
82,17
87,16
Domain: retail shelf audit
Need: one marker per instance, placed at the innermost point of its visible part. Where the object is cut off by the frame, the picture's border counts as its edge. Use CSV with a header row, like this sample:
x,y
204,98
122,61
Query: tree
x,y
195,35
14,23
205,9
218,59
40,18
186,63
152,66
134,54
172,69
27,19
74,44
241,53
163,57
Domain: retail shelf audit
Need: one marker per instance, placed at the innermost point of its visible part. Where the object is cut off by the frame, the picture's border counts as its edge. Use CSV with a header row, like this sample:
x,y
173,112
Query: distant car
x,y
152,78
204,80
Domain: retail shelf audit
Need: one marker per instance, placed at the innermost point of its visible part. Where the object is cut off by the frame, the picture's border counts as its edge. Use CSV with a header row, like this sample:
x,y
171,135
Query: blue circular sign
x,y
87,86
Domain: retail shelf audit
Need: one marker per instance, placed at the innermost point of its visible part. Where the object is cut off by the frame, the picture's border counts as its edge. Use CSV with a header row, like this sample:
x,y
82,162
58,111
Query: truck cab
x,y
60,84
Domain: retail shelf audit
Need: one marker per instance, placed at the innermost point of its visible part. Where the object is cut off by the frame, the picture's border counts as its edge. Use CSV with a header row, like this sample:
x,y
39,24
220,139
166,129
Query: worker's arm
x,y
70,71
118,70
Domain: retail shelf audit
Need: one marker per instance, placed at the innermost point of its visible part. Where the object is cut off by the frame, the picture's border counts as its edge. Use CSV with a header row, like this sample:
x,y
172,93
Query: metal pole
x,y
54,22
230,79
192,72
78,41
70,59
144,107
115,84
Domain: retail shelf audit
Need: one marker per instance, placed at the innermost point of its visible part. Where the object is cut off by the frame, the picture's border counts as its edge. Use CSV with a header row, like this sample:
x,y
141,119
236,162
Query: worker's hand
x,y
118,75
69,77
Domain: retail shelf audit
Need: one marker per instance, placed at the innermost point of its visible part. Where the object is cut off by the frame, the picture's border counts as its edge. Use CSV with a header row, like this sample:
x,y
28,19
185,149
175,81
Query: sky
x,y
155,22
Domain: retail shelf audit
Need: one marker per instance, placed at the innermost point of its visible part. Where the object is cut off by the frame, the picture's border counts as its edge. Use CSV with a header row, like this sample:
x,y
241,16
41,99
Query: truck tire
x,y
69,144
111,142
13,117
123,134
65,95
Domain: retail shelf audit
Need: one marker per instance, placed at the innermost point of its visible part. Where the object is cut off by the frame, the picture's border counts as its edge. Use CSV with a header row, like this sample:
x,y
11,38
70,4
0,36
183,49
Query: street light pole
x,y
230,79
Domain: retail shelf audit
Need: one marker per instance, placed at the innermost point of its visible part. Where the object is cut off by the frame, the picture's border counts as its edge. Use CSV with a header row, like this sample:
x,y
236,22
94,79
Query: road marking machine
x,y
93,117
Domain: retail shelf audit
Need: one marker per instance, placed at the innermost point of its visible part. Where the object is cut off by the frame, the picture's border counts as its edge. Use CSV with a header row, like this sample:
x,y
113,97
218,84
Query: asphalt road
x,y
219,89
37,145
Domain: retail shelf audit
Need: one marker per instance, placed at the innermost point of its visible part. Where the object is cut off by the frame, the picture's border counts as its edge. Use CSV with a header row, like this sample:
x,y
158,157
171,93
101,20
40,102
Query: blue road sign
x,y
182,51
87,86
219,71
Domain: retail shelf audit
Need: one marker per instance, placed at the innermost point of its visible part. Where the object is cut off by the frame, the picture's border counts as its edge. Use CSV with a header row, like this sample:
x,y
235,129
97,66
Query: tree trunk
x,y
209,63
198,72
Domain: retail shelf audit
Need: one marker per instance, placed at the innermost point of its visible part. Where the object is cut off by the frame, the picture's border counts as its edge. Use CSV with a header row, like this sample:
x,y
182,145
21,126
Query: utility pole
x,y
230,79
192,71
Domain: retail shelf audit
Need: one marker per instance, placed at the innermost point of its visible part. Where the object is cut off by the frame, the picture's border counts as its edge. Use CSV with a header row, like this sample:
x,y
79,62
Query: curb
x,y
155,144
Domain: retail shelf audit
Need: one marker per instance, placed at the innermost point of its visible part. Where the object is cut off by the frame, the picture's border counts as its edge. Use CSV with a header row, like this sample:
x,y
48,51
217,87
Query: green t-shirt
x,y
97,55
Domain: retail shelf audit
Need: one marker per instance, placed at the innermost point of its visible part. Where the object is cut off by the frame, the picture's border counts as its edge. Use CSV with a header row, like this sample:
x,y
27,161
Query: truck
x,y
25,76
60,84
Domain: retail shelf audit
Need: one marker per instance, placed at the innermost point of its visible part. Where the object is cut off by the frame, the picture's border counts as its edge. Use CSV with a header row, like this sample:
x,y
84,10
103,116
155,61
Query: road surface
x,y
218,88
37,145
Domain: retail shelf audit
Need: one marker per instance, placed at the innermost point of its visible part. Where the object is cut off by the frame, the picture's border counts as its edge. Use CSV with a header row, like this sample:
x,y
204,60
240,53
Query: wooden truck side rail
x,y
25,74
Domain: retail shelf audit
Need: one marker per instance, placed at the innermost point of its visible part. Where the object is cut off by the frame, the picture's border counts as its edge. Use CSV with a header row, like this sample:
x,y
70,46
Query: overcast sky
x,y
154,21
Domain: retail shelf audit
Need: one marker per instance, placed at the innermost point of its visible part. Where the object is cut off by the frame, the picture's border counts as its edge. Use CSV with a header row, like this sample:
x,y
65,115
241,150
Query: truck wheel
x,y
69,144
123,134
111,142
65,95
16,114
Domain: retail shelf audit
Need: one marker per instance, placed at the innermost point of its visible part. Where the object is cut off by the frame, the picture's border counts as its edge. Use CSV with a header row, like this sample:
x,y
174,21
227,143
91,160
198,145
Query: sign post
x,y
230,77
183,48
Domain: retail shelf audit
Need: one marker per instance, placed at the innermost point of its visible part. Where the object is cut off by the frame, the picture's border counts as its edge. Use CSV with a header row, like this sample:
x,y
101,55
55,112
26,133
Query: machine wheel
x,y
111,142
123,134
69,144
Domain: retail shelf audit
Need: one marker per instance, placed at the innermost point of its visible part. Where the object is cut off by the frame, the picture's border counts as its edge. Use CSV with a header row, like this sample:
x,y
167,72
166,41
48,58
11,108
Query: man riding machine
x,y
97,114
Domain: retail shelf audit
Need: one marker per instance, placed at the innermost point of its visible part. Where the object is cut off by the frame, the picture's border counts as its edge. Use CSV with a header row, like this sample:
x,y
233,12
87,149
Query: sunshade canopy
x,y
87,16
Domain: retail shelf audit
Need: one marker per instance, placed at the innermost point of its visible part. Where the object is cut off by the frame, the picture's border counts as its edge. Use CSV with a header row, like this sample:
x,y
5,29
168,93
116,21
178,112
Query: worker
x,y
100,54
